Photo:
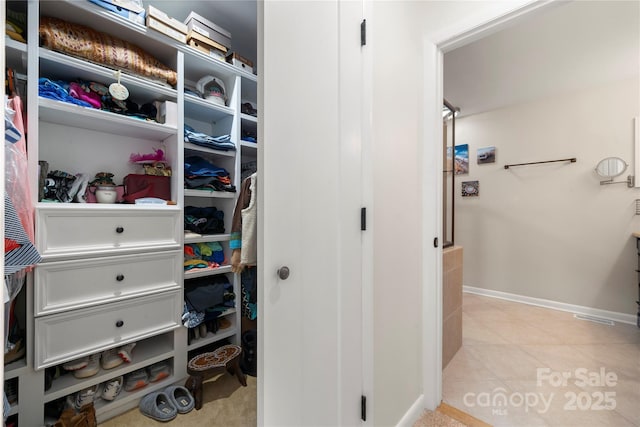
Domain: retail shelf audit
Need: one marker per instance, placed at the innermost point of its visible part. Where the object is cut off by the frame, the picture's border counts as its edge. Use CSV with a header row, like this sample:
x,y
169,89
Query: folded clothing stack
x,y
204,220
202,175
221,142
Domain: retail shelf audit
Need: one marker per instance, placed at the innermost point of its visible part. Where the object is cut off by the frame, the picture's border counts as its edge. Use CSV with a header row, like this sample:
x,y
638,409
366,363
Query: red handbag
x,y
138,186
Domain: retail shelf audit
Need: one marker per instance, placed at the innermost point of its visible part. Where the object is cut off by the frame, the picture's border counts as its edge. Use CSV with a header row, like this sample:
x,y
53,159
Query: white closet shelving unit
x,y
112,274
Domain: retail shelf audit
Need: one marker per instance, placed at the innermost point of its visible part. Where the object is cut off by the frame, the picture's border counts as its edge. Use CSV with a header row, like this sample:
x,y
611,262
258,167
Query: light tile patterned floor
x,y
522,365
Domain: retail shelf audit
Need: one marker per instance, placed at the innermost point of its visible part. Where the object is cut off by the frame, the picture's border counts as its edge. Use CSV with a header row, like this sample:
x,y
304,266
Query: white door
x,y
309,161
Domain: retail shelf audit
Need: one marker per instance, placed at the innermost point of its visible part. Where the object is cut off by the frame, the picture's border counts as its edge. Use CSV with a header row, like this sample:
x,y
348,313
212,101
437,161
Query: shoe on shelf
x,y
125,352
223,323
112,388
136,379
17,352
84,397
110,359
159,371
74,365
203,330
92,368
196,333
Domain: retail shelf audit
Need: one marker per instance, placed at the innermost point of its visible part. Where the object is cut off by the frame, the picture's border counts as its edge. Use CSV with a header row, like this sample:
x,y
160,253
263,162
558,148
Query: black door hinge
x,y
363,32
435,242
363,408
363,219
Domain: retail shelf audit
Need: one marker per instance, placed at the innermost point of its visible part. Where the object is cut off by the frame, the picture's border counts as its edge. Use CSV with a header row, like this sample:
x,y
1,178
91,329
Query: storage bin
x,y
203,26
129,9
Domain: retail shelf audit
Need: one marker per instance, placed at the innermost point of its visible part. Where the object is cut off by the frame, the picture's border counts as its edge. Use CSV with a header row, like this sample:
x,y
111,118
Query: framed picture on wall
x,y
486,155
461,162
470,188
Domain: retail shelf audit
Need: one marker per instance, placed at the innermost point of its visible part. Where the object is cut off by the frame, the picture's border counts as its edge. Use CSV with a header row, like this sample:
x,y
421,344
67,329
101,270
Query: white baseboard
x,y
571,308
413,414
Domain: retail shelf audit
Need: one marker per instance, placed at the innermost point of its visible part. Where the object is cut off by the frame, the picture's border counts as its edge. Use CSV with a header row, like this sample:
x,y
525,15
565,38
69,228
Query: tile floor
x,y
522,365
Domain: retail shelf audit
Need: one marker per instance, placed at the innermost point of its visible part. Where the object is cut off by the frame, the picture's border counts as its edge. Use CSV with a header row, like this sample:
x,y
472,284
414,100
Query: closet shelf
x,y
248,118
58,66
207,238
212,338
195,147
205,111
202,272
63,113
16,52
145,353
209,194
15,369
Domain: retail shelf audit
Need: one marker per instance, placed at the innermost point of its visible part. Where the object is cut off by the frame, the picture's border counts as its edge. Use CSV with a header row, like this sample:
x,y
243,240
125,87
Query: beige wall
x,y
551,231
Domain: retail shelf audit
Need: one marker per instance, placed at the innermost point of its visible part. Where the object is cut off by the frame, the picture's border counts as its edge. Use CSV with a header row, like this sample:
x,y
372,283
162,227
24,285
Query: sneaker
x,y
136,379
110,359
84,397
111,389
92,368
76,364
125,352
158,371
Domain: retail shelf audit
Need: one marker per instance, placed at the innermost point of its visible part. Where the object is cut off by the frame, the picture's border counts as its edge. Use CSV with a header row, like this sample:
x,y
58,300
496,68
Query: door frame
x,y
434,49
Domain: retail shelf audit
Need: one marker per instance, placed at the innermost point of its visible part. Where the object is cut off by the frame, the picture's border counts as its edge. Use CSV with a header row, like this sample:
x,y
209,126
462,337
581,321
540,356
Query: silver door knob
x,y
283,272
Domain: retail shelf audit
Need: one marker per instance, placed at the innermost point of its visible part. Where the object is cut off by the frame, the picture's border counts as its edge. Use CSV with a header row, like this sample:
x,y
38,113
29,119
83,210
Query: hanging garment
x,y
17,173
21,253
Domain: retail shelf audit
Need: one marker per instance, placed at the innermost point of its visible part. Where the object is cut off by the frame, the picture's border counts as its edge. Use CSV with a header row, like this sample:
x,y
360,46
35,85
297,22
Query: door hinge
x,y
363,219
363,408
363,32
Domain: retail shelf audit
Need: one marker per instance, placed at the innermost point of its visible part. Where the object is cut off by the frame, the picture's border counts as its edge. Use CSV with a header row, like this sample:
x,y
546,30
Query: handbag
x,y
138,186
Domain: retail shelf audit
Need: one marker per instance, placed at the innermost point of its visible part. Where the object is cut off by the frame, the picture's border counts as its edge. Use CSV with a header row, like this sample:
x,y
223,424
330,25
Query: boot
x,y
248,362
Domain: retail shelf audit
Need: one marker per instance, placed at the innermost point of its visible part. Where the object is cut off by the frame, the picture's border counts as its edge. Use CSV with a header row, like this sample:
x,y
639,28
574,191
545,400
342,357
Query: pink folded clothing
x,y
78,92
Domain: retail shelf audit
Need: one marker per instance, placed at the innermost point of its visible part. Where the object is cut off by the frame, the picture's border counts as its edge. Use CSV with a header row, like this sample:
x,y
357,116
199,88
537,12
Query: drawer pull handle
x,y
119,277
119,324
119,230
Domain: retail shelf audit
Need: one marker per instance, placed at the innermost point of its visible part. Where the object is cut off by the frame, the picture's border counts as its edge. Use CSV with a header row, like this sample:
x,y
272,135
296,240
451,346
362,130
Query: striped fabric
x,y
25,254
11,133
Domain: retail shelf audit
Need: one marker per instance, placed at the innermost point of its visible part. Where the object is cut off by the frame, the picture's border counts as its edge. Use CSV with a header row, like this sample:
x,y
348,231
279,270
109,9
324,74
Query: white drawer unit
x,y
67,336
67,231
66,285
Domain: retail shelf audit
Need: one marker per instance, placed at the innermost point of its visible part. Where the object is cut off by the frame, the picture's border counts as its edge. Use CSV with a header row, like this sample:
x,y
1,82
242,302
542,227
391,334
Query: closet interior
x,y
140,159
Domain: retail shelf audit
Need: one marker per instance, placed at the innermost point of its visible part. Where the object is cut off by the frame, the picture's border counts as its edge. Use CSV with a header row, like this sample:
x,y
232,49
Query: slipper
x,y
180,397
158,406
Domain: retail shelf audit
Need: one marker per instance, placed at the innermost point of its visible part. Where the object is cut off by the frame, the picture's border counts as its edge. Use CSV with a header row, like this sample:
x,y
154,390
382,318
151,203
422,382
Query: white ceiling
x,y
239,17
569,47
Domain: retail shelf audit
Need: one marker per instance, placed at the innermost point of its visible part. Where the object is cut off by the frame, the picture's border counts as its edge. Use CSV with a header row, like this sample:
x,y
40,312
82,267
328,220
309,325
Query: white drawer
x,y
69,231
67,336
65,285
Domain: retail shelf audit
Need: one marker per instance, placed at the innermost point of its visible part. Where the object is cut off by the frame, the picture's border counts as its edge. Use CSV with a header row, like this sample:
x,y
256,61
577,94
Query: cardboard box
x,y
162,17
203,26
240,62
129,9
166,30
206,45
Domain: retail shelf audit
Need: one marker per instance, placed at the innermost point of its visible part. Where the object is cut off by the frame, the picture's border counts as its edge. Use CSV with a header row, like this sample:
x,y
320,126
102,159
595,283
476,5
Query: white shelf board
x,y
15,53
249,118
76,116
15,369
202,272
209,194
208,238
194,147
145,353
55,65
204,111
212,338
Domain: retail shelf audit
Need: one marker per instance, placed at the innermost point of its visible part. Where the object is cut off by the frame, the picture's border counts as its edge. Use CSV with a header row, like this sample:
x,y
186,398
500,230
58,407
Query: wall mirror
x,y
612,167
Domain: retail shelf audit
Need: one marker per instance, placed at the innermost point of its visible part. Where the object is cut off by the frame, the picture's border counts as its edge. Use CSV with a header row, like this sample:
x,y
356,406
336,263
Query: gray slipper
x,y
180,397
158,406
